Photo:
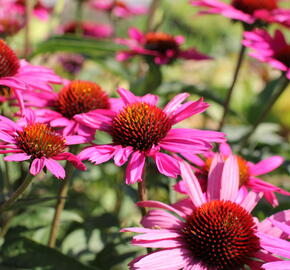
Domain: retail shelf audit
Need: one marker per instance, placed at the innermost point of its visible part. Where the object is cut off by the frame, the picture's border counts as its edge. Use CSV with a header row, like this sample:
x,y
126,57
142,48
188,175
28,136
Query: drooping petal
x,y
285,265
175,103
71,158
167,165
251,200
122,154
17,157
192,183
37,166
127,96
135,167
55,168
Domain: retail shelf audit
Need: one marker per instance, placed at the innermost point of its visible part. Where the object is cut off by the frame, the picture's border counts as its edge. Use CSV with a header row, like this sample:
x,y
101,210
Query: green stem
x,y
231,88
282,85
28,15
79,17
62,196
142,191
151,13
18,192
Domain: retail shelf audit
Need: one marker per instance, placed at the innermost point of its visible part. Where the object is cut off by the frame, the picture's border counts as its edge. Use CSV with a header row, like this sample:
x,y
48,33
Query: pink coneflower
x,y
40,10
62,109
247,11
118,8
71,63
273,50
10,21
163,48
210,231
88,29
38,143
140,129
248,172
18,75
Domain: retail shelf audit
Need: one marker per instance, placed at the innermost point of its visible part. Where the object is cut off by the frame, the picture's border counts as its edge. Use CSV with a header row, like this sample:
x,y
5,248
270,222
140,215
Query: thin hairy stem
x,y
231,89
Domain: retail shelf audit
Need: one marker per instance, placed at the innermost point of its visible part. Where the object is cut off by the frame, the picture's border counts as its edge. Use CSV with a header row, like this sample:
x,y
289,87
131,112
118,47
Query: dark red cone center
x,y
283,55
81,97
221,235
160,42
140,125
40,140
250,6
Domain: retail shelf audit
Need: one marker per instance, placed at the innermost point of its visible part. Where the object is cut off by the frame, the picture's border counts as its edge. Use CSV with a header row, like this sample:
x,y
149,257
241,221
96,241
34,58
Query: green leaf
x,y
25,253
74,44
261,100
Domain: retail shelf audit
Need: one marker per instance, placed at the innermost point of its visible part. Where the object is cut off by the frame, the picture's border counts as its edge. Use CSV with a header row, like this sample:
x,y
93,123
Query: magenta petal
x,y
266,165
160,218
6,137
225,149
55,168
230,179
136,34
127,96
150,99
251,200
72,159
175,103
97,154
167,165
122,154
17,157
192,183
285,228
285,265
75,139
156,204
135,167
37,165
166,259
214,176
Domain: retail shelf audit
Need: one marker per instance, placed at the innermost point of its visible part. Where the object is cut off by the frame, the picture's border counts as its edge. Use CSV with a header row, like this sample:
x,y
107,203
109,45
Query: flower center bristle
x,y
5,91
40,140
160,42
283,55
140,125
221,235
81,97
120,4
250,6
9,63
244,172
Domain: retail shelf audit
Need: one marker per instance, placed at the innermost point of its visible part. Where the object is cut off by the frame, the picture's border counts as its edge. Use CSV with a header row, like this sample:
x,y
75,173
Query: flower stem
x,y
282,85
142,191
28,15
62,196
17,193
231,89
151,13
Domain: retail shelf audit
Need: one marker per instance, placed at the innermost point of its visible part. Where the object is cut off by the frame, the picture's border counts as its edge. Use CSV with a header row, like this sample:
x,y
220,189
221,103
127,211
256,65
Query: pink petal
x,y
72,159
75,139
156,204
150,99
135,167
175,103
230,179
285,265
55,168
225,149
167,165
37,166
127,96
98,154
214,176
17,157
266,165
122,154
282,226
6,137
192,183
194,159
159,218
251,200
167,259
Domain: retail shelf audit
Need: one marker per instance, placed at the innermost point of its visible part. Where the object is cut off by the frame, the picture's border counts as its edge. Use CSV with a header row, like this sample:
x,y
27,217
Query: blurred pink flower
x,y
118,8
37,142
63,109
89,29
41,9
207,231
10,21
248,172
273,50
141,129
18,75
162,47
247,11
